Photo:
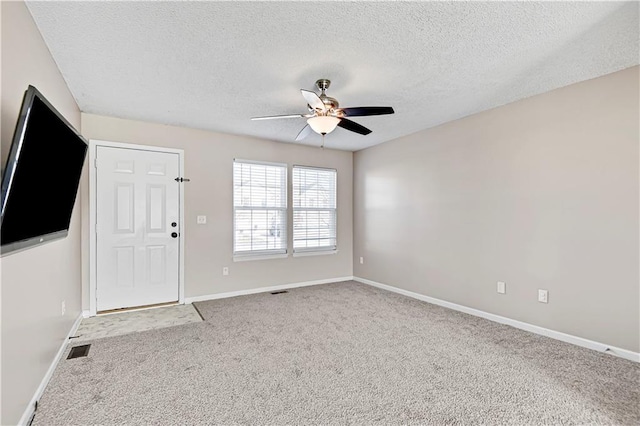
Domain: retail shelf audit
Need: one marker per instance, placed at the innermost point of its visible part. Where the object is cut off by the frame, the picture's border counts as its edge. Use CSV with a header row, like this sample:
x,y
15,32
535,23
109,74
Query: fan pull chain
x,y
322,145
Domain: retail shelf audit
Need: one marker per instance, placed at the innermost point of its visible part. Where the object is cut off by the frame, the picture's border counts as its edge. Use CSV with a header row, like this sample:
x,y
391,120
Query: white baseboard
x,y
263,289
568,338
86,314
24,420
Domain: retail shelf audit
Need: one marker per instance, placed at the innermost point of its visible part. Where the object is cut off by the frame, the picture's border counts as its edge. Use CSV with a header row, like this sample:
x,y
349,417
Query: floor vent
x,y
79,351
280,292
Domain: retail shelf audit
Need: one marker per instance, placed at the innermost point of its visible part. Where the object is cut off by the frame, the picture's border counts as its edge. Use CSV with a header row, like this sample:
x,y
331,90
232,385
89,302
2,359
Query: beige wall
x,y
208,163
35,281
541,193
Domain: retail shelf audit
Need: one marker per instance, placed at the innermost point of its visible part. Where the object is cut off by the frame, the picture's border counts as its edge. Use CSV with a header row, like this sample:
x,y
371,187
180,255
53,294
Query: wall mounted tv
x,y
41,176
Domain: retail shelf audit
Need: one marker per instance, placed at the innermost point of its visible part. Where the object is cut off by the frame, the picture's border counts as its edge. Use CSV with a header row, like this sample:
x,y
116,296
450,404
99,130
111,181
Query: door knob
x,y
174,235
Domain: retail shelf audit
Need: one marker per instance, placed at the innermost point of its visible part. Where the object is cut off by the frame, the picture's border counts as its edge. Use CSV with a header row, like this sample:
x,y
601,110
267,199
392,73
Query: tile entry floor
x,y
117,324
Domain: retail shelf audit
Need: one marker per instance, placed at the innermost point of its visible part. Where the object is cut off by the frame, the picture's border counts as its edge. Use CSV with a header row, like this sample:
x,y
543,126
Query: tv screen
x,y
41,177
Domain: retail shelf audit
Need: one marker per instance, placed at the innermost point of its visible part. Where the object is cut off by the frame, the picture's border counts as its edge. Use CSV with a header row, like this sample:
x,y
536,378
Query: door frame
x,y
93,149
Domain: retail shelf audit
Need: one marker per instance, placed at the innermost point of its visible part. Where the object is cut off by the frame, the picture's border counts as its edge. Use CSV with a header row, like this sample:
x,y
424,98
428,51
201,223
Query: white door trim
x,y
93,148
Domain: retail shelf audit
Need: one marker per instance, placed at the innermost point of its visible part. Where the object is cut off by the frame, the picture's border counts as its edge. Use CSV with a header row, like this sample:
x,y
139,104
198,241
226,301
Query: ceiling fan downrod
x,y
323,84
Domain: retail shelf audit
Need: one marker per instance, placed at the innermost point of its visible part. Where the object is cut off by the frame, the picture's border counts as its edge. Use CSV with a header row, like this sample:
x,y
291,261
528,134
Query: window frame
x,y
309,251
266,253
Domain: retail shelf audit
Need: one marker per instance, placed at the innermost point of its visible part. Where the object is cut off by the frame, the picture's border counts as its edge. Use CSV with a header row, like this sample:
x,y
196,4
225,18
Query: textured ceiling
x,y
213,65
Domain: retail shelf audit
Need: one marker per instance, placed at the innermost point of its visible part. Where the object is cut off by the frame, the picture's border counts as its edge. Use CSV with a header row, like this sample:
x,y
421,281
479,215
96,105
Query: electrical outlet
x,y
201,220
361,260
225,271
502,287
543,296
63,307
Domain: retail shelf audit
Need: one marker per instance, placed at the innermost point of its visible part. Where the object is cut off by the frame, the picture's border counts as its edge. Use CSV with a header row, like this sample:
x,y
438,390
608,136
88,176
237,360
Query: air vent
x,y
79,351
280,292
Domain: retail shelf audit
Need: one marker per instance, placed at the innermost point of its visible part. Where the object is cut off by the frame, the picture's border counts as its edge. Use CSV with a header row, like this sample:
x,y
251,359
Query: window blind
x,y
259,208
314,209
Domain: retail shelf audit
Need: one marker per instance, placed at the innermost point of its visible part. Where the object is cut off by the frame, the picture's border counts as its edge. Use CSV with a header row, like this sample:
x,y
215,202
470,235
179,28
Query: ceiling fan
x,y
325,113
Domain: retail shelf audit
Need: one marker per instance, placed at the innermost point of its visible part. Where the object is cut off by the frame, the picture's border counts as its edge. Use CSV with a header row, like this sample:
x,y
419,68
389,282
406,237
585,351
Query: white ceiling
x,y
213,65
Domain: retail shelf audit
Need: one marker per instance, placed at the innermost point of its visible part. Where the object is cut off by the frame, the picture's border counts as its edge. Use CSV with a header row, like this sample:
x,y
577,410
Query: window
x,y
259,208
314,209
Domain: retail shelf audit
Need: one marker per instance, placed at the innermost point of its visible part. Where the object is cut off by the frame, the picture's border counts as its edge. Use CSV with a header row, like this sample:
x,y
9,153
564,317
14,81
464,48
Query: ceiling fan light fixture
x,y
325,115
323,124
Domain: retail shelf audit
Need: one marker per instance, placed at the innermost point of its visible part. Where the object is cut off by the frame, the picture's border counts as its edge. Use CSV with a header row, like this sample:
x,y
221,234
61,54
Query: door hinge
x,y
181,179
95,163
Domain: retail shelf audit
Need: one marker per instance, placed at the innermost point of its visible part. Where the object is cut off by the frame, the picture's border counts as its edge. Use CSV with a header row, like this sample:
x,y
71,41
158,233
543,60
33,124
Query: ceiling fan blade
x,y
363,111
272,117
313,100
353,126
306,131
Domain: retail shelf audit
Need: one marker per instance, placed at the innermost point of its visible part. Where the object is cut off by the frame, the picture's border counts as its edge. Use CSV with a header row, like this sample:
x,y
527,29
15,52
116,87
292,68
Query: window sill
x,y
314,253
244,258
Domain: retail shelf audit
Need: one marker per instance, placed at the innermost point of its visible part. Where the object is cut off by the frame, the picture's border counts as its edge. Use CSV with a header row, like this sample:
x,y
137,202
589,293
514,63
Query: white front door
x,y
137,227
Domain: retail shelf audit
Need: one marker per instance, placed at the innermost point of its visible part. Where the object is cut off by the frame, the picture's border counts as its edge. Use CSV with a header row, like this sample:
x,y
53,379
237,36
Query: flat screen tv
x,y
41,177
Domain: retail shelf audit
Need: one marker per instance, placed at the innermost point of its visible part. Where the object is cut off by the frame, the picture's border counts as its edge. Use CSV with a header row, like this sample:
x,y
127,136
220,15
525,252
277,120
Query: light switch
x,y
202,220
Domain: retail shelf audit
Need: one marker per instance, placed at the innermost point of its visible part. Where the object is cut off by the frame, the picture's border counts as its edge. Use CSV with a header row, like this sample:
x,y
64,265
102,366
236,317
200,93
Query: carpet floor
x,y
342,353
